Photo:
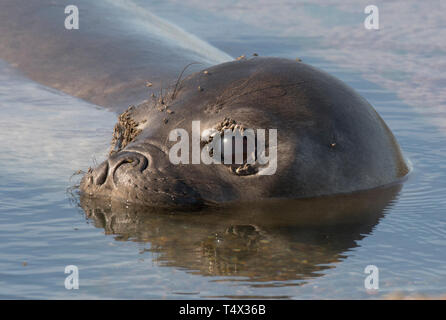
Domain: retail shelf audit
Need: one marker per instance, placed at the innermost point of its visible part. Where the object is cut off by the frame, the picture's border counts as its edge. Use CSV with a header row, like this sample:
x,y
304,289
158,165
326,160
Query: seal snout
x,y
136,160
132,161
100,174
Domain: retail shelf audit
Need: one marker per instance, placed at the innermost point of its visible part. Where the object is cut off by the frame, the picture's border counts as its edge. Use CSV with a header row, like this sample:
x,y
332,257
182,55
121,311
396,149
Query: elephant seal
x,y
329,139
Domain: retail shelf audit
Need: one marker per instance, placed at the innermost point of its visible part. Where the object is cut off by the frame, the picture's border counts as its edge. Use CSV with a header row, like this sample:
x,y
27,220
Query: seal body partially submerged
x,y
329,139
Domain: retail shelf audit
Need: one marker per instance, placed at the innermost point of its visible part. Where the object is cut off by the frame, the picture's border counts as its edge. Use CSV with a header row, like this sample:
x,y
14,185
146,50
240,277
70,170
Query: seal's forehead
x,y
257,93
256,85
262,67
261,74
249,72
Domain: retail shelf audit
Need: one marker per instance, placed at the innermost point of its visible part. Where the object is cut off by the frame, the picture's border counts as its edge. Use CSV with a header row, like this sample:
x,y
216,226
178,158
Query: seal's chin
x,y
127,177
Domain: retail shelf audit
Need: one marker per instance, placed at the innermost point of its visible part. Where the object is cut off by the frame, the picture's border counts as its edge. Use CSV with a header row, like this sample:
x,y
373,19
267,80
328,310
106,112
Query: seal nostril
x,y
134,159
100,174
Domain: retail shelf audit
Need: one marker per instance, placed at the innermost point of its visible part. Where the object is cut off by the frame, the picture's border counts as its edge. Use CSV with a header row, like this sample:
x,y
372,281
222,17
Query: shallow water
x,y
47,136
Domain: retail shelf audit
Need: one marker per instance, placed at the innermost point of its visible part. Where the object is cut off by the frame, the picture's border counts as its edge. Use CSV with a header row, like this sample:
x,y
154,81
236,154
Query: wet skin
x,y
330,140
108,60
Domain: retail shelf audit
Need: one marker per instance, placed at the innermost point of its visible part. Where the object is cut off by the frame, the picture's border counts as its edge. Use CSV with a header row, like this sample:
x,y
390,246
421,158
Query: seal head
x,y
330,140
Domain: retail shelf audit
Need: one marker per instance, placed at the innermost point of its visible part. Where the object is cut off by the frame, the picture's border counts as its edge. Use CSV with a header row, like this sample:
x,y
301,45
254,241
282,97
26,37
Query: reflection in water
x,y
277,241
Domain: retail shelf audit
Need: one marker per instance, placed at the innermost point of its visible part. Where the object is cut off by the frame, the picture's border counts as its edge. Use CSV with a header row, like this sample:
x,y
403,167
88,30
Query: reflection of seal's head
x,y
254,242
329,139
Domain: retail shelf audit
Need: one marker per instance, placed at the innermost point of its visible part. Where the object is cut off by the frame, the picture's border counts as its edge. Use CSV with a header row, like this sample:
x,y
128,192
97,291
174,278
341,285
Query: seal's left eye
x,y
239,146
234,147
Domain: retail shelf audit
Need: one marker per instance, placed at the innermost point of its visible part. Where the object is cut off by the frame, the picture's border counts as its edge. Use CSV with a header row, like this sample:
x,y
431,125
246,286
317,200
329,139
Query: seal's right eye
x,y
234,147
238,146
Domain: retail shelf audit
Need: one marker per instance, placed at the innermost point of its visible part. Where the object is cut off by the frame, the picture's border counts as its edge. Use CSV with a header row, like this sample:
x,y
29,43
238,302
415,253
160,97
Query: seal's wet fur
x,y
330,140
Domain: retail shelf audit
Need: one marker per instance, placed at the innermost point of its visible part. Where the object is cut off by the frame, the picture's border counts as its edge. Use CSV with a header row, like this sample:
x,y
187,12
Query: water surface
x,y
47,136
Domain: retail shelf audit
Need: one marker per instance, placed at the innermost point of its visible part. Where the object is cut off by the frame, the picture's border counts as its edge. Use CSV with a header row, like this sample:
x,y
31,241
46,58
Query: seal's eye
x,y
238,146
234,147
